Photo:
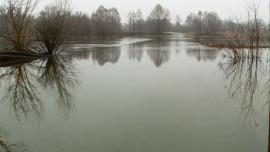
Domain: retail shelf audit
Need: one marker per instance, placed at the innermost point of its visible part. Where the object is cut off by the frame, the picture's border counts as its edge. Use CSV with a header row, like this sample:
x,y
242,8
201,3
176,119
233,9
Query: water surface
x,y
160,95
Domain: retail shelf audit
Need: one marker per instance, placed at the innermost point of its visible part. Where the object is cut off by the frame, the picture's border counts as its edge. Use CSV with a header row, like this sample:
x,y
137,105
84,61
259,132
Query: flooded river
x,y
137,95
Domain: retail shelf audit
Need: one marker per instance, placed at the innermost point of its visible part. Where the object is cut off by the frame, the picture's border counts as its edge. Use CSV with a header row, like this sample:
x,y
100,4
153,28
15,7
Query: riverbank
x,y
226,41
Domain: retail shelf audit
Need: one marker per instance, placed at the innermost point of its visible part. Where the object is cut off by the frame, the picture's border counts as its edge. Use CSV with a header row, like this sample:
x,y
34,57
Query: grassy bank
x,y
228,40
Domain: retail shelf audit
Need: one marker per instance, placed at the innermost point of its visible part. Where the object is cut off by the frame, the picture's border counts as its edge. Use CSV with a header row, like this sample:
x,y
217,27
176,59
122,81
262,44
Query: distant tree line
x,y
56,23
209,23
203,23
156,23
106,23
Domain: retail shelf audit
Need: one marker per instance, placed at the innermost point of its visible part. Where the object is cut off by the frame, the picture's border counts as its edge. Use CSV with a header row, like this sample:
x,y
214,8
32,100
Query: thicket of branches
x,y
105,22
16,22
53,26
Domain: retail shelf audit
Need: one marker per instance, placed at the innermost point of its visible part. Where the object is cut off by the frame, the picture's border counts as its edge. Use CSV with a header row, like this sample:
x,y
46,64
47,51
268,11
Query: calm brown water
x,y
166,95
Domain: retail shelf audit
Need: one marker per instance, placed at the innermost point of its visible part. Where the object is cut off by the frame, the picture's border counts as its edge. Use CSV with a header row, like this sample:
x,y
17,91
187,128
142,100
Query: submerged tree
x,y
16,17
53,26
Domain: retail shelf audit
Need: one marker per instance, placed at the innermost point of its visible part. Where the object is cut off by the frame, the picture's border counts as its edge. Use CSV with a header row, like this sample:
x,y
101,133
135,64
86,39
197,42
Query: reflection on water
x,y
249,82
135,52
247,78
7,146
58,75
104,55
158,56
165,109
80,54
203,54
22,91
159,51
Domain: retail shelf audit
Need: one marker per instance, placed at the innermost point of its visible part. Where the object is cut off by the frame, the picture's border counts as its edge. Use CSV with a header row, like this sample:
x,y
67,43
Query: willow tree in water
x,y
52,26
16,17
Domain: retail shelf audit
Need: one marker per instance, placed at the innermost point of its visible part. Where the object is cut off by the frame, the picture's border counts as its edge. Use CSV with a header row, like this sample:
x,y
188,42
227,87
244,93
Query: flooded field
x,y
137,95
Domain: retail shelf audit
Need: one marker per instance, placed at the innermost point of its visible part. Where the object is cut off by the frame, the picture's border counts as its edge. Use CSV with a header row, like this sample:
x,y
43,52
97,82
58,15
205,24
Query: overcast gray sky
x,y
225,8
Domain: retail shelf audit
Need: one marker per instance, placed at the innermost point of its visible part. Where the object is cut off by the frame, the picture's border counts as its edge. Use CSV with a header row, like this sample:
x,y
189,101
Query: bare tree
x,y
248,31
16,17
82,24
113,21
178,21
159,19
229,25
140,21
135,21
253,23
99,19
53,26
210,22
106,22
203,23
132,17
190,22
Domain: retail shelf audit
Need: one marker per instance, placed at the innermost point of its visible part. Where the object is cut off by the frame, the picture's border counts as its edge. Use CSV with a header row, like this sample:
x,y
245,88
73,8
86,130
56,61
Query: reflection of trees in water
x,y
159,56
159,43
177,51
158,51
7,146
104,55
245,75
177,46
56,74
135,52
203,54
21,91
248,74
81,55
